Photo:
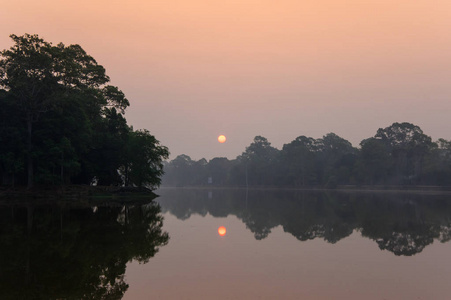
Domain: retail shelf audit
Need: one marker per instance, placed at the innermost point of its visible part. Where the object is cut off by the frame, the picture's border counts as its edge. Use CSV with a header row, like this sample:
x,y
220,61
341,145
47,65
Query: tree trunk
x,y
29,228
62,168
29,148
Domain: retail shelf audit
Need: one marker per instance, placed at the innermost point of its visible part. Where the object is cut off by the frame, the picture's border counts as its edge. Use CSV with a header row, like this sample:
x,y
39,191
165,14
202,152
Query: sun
x,y
221,138
222,231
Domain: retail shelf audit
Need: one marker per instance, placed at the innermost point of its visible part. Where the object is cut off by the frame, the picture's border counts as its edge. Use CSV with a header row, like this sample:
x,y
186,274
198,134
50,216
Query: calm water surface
x,y
298,245
278,245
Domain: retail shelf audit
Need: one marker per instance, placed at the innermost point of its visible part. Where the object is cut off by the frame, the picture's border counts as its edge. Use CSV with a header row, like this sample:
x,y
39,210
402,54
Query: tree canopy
x,y
400,154
63,123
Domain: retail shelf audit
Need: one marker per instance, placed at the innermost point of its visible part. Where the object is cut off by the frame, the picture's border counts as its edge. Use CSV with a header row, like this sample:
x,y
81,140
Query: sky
x,y
193,70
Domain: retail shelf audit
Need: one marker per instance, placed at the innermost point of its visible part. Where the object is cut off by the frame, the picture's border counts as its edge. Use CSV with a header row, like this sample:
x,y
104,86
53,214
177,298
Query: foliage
x,y
259,158
63,123
144,150
408,147
400,154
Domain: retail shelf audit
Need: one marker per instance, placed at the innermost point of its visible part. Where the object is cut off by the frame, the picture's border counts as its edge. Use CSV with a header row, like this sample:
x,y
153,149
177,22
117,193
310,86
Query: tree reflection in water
x,y
61,252
402,223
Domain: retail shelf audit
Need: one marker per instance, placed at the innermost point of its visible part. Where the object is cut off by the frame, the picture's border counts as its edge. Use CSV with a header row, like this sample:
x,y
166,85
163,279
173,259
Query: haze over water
x,y
197,69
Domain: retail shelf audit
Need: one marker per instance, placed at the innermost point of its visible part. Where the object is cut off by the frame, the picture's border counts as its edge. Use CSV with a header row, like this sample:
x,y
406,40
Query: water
x,y
299,245
278,245
74,251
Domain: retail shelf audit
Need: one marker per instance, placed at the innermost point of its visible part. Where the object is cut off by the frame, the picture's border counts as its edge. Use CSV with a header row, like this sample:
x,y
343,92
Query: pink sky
x,y
195,69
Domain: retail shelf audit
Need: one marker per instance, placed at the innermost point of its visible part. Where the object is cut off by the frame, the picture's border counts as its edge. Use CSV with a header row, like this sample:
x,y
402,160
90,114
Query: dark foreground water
x,y
277,245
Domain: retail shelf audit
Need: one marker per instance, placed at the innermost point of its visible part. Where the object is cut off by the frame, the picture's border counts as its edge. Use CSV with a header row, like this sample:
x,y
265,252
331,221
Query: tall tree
x,y
375,161
408,146
218,169
69,119
144,163
11,142
337,158
39,75
259,159
299,160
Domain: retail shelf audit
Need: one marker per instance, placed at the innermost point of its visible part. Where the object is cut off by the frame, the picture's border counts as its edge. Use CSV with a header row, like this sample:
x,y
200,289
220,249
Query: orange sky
x,y
195,69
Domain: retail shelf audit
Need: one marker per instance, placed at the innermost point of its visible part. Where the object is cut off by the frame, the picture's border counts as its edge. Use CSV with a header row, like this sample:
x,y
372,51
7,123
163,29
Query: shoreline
x,y
75,192
430,190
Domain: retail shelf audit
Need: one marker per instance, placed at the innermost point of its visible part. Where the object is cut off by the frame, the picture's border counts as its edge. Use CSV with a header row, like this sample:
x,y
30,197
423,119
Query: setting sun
x,y
222,231
221,138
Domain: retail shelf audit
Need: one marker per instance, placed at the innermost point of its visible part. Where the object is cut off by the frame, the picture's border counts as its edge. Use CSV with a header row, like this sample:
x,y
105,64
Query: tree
x,y
69,119
218,169
408,146
401,153
437,166
375,160
11,145
144,163
38,75
259,159
178,171
299,160
337,158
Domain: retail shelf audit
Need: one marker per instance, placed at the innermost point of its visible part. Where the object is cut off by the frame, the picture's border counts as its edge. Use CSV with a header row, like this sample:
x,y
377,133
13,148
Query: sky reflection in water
x,y
295,245
278,245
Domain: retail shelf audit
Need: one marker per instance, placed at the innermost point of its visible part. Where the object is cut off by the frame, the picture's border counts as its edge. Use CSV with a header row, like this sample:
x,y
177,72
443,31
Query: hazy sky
x,y
195,69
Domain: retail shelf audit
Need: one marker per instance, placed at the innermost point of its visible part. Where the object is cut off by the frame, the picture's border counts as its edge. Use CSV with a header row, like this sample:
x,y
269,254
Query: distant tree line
x,y
400,154
60,121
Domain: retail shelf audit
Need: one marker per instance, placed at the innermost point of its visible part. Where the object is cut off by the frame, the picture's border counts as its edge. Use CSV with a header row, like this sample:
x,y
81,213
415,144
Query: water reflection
x,y
58,251
402,223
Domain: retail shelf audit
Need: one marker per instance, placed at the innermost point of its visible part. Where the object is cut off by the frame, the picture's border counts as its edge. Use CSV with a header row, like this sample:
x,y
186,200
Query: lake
x,y
277,245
